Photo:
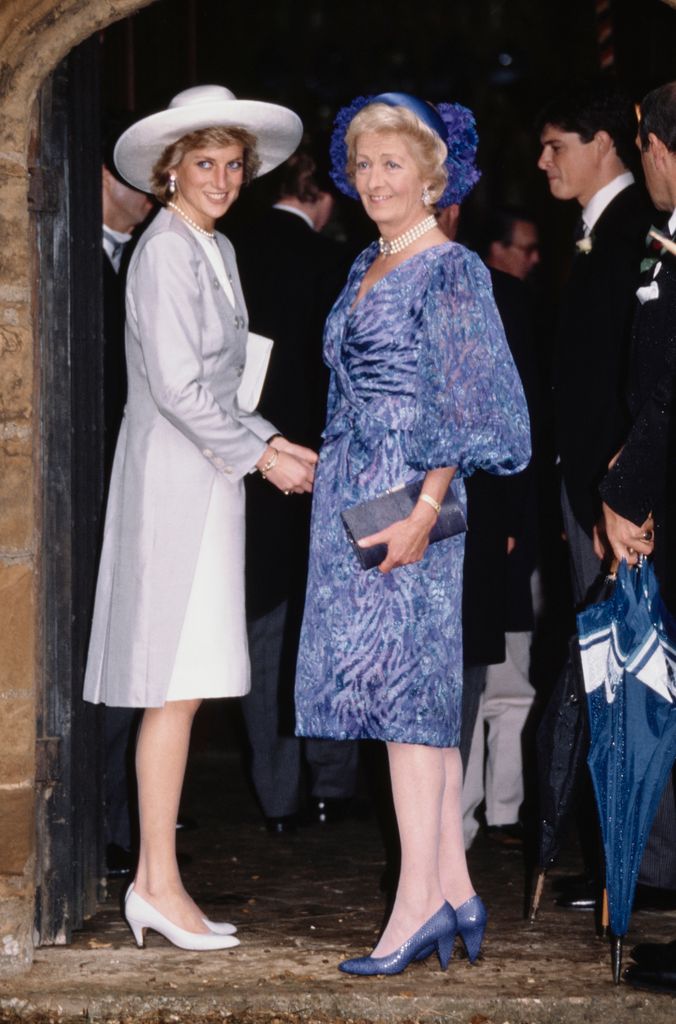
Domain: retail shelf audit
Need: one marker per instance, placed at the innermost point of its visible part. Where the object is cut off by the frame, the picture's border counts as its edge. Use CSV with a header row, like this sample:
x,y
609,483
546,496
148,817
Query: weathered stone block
x,y
15,887
16,942
16,490
17,737
17,636
16,367
17,830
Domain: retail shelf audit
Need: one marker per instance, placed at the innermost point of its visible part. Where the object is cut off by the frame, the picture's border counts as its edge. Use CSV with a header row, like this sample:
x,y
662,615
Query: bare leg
x,y
161,756
454,877
417,774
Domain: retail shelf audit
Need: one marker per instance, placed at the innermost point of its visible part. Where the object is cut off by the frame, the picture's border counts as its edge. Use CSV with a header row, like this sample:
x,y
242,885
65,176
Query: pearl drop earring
x,y
426,197
171,187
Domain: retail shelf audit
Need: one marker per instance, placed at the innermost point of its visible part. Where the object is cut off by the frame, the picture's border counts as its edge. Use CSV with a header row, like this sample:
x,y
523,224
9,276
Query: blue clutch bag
x,y
374,515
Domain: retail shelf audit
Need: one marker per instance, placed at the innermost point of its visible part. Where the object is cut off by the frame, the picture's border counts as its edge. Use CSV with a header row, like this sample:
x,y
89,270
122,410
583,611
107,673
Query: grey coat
x,y
185,351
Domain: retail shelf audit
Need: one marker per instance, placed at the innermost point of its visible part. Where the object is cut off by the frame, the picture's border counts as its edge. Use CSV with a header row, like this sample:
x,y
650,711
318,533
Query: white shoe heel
x,y
141,915
217,927
138,933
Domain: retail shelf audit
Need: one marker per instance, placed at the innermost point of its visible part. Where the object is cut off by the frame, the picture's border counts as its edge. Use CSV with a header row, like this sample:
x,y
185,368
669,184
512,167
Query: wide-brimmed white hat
x,y
277,129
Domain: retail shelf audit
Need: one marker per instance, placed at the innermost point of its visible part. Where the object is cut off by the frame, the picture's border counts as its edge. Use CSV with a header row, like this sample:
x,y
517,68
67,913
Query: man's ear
x,y
657,148
603,142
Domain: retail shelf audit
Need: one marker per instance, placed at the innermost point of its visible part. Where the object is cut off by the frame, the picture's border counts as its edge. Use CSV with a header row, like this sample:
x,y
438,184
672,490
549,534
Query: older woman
x,y
169,620
423,387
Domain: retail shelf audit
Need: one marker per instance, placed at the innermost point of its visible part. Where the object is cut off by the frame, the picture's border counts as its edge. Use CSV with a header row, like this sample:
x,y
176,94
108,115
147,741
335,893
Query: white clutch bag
x,y
258,351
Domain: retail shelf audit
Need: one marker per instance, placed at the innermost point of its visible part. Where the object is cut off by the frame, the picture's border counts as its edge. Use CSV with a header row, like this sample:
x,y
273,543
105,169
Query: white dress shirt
x,y
601,199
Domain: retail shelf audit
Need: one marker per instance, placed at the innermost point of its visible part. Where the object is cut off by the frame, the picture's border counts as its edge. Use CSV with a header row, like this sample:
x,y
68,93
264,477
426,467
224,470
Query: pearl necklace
x,y
408,237
191,222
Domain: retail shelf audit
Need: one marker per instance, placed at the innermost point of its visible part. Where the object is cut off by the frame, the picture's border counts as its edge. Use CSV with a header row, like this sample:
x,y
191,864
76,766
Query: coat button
x,y
216,284
207,453
240,371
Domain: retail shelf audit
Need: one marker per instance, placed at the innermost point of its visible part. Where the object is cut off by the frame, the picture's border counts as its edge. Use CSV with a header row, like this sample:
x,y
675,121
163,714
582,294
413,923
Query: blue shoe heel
x,y
438,932
472,917
445,945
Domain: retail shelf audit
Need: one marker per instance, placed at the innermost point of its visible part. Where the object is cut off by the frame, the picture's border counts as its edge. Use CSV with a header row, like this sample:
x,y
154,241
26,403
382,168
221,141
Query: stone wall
x,y
33,39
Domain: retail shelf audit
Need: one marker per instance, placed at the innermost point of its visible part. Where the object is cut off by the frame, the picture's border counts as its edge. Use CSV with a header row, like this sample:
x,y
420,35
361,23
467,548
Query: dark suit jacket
x,y
592,351
496,588
291,276
644,477
114,366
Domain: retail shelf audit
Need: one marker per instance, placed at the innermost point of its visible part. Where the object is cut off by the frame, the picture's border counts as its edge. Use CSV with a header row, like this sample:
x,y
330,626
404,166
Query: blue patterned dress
x,y
421,377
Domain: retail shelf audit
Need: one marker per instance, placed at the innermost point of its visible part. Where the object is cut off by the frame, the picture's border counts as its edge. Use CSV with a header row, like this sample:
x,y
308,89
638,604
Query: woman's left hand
x,y
407,540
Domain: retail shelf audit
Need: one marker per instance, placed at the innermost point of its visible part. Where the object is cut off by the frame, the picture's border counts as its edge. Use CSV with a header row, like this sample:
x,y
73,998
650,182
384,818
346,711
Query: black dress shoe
x,y
119,862
563,881
283,825
578,895
506,835
656,956
654,981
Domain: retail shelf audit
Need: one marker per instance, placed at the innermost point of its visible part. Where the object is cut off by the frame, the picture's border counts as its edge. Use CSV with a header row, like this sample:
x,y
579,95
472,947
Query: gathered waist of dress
x,y
389,412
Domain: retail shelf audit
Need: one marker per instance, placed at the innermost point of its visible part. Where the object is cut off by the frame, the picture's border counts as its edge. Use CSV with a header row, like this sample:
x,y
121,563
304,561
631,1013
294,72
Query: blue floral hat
x,y
453,123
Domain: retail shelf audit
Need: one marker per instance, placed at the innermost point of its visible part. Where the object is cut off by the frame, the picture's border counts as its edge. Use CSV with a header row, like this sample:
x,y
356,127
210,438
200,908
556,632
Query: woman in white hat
x,y
169,624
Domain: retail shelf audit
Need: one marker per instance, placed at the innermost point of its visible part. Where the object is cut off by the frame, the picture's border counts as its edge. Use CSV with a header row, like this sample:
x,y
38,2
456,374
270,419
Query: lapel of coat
x,y
233,276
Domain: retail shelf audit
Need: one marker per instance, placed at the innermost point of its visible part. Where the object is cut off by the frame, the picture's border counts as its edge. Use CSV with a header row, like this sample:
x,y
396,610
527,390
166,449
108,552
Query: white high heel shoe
x,y
141,915
217,927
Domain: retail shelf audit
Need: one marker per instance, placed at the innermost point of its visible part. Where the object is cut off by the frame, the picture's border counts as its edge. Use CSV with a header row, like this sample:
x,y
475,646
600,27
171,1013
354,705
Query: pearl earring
x,y
171,187
426,197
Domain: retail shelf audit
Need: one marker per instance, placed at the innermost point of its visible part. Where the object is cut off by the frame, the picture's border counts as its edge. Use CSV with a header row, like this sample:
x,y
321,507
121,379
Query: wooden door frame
x,y
65,200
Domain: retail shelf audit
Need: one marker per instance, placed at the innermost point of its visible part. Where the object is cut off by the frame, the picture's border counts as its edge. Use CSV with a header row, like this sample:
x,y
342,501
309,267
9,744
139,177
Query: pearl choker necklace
x,y
191,222
408,237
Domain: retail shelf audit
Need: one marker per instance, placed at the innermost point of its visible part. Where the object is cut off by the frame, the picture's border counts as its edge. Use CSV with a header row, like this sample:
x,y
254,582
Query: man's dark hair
x,y
658,115
301,176
113,125
499,227
595,107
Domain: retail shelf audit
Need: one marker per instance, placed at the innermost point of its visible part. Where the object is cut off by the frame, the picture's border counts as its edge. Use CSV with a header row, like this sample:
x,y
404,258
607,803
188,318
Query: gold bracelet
x,y
430,501
270,464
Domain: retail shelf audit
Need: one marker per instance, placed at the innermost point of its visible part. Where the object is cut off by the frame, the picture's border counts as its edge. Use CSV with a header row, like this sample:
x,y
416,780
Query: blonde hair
x,y
217,136
427,149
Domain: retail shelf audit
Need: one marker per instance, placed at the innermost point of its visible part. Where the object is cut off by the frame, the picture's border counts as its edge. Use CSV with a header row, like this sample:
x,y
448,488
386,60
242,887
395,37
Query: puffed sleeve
x,y
470,407
166,300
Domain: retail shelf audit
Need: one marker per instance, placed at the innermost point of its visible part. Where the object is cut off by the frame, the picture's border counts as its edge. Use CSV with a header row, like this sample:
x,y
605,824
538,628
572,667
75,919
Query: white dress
x,y
212,659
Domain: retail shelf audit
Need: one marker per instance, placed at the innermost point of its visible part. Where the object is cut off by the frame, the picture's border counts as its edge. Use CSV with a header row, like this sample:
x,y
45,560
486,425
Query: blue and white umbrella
x,y
628,654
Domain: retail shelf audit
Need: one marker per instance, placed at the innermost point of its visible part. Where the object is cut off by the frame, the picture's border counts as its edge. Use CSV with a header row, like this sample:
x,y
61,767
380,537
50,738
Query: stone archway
x,y
32,42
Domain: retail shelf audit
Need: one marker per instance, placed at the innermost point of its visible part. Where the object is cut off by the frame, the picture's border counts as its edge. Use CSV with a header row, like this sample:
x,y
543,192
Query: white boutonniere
x,y
585,244
648,292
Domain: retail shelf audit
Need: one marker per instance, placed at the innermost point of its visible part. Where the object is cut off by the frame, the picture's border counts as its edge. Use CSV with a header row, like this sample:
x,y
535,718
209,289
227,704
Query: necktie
x,y
116,248
580,230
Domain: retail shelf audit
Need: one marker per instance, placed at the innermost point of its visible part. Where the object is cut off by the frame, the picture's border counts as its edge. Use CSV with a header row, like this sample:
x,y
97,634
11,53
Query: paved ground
x,y
303,903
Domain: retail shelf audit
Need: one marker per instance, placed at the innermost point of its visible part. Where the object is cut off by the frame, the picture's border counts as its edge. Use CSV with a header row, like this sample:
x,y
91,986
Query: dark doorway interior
x,y
65,200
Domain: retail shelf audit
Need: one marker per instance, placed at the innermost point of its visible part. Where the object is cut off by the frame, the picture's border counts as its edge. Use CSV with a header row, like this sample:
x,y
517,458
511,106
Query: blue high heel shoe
x,y
472,917
438,932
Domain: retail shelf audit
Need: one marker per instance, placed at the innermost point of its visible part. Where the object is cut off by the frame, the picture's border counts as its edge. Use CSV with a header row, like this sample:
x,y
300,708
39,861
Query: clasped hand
x,y
624,538
294,471
407,540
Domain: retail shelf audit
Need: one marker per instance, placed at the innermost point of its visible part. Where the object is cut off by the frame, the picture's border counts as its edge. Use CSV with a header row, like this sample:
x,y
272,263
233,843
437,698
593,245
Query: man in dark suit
x,y
639,491
587,139
124,209
500,560
587,136
291,274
